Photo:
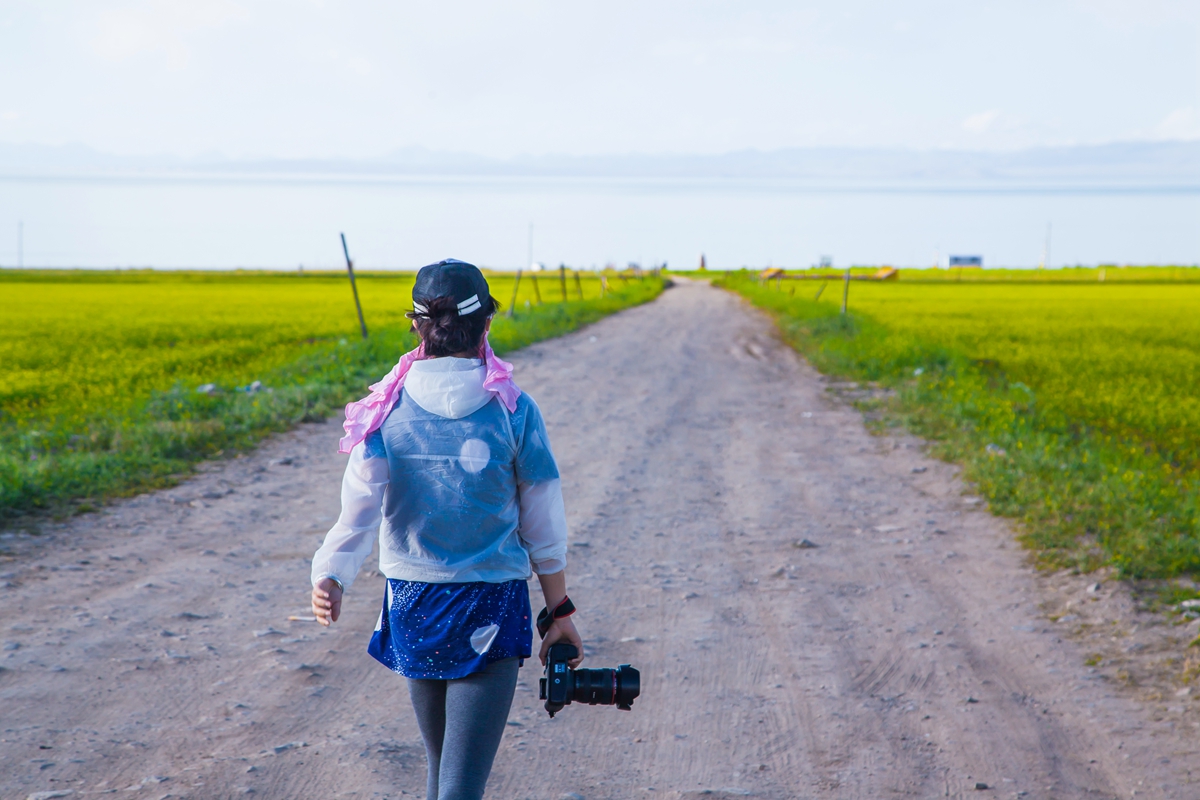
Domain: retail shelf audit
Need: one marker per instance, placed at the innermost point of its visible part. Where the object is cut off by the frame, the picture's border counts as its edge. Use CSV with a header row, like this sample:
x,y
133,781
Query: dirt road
x,y
148,651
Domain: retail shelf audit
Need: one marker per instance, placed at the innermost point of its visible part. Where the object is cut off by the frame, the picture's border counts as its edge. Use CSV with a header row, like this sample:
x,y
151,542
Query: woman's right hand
x,y
327,601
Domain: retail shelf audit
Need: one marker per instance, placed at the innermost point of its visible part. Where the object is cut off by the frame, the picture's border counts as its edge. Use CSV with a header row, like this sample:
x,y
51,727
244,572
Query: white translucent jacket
x,y
459,488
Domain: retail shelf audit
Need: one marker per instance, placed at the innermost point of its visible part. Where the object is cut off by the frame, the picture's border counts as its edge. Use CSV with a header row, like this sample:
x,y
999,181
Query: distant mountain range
x,y
1133,165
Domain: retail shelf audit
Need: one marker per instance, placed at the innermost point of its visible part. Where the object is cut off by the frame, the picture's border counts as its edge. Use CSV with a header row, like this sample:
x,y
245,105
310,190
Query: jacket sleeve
x,y
543,526
350,540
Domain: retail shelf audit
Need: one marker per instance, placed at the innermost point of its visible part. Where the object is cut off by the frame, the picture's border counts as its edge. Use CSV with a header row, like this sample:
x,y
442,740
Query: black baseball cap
x,y
451,278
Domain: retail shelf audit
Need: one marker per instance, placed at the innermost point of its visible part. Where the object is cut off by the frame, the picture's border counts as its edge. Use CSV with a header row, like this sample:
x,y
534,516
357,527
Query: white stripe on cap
x,y
469,305
420,309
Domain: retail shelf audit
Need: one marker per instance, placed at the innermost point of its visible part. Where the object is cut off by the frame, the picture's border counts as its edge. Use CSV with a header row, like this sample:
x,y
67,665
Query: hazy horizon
x,y
80,147
251,222
1173,166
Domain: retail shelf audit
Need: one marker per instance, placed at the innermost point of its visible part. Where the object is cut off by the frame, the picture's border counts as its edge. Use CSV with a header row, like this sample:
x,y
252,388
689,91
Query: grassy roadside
x,y
1090,444
59,462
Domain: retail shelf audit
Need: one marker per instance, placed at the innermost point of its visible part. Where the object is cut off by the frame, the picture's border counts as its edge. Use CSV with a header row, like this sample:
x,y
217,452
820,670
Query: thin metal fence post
x,y
516,285
353,287
845,290
578,285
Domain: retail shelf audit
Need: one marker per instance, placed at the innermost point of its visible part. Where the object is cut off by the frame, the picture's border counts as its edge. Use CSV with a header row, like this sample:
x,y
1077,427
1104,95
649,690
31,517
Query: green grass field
x,y
98,370
1087,392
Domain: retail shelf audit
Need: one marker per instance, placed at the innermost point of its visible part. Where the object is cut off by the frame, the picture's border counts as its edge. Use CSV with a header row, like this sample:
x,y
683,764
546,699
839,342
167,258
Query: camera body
x,y
562,685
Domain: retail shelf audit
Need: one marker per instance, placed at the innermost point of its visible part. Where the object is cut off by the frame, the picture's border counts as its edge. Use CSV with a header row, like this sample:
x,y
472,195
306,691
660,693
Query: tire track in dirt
x,y
148,646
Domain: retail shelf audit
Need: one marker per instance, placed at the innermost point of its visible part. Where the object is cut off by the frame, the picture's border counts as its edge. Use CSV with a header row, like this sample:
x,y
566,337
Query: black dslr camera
x,y
596,687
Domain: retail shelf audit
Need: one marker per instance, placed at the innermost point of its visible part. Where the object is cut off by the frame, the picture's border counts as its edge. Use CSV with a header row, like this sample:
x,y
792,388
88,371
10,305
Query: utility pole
x,y
353,287
846,290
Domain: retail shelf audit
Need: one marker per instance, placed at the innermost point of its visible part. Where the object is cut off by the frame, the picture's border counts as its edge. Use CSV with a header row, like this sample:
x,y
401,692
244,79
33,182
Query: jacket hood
x,y
449,387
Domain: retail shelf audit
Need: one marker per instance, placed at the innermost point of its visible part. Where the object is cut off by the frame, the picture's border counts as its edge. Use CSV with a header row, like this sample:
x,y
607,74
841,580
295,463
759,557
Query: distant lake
x,y
284,222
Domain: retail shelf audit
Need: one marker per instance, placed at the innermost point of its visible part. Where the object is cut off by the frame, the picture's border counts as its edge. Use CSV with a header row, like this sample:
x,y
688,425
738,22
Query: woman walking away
x,y
450,460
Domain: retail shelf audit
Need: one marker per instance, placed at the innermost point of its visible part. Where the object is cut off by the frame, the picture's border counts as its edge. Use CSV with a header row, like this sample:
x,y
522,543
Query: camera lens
x,y
607,687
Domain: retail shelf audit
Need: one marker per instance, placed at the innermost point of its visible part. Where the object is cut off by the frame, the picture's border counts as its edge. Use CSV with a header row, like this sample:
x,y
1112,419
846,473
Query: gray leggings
x,y
462,722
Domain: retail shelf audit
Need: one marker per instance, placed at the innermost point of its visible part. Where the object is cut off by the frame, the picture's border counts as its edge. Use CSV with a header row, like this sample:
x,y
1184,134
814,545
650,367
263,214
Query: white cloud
x,y
348,63
158,26
981,122
703,50
1182,123
1125,14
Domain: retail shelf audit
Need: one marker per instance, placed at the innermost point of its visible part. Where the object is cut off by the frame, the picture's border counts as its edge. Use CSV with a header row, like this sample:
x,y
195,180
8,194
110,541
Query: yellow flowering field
x,y
99,370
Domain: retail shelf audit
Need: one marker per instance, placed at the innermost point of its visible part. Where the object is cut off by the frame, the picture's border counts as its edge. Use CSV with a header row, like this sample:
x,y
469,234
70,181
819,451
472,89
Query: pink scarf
x,y
365,416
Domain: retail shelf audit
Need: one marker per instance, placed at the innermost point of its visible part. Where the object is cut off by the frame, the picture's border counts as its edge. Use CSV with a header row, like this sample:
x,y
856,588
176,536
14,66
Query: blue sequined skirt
x,y
445,631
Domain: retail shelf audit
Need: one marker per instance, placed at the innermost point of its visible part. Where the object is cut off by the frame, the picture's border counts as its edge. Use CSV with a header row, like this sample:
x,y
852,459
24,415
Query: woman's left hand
x,y
562,630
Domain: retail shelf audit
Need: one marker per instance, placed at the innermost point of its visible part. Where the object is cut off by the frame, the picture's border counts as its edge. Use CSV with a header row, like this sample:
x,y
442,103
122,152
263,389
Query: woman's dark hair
x,y
445,333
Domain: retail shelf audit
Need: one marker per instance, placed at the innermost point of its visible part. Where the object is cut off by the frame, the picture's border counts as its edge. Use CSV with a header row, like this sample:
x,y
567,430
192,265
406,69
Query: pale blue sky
x,y
296,78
